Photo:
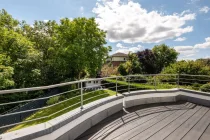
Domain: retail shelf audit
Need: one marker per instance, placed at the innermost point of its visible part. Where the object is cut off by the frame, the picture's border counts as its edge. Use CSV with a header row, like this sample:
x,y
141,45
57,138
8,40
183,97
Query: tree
x,y
132,66
6,73
135,64
164,56
147,60
44,38
82,46
17,52
47,52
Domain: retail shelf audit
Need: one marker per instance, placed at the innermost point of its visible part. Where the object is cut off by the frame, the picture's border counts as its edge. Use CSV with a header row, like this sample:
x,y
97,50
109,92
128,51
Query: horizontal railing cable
x,y
44,117
39,98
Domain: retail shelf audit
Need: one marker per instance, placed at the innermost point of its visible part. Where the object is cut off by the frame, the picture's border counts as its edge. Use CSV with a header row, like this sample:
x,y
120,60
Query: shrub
x,y
205,87
196,86
122,69
53,100
108,70
187,67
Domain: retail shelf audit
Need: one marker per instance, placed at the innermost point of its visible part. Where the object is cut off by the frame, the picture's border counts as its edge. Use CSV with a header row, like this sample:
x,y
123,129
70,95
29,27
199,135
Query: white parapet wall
x,y
72,124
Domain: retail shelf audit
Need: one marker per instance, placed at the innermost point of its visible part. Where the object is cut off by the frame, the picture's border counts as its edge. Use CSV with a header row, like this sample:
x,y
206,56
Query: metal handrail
x,y
9,114
195,75
39,98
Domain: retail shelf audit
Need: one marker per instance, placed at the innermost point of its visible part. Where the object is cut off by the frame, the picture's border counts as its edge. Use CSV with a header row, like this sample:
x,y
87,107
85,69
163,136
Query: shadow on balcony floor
x,y
181,120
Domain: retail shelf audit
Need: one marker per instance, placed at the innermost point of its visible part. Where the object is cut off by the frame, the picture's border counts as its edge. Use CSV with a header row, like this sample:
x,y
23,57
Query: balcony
x,y
129,107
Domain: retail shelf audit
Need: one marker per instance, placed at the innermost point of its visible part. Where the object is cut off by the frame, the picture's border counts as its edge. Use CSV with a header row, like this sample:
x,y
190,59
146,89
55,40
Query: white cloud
x,y
184,12
45,21
183,48
130,23
180,39
204,45
188,51
193,1
204,9
126,50
82,10
119,45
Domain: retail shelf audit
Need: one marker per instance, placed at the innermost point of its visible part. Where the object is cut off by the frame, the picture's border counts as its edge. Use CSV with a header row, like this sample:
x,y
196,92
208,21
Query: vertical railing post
x,y
178,80
81,92
128,84
116,86
155,83
124,105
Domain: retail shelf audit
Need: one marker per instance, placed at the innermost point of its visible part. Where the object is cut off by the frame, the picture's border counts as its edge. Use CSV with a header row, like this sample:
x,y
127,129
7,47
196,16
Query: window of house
x,y
124,58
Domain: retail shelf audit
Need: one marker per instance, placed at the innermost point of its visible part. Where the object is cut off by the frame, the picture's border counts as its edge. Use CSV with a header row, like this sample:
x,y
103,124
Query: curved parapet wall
x,y
72,124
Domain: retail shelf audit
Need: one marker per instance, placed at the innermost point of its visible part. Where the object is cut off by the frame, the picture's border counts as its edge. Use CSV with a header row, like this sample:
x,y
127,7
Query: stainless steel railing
x,y
118,84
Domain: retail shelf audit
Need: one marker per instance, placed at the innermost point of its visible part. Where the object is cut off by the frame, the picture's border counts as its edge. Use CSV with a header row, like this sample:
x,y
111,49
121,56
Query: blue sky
x,y
131,25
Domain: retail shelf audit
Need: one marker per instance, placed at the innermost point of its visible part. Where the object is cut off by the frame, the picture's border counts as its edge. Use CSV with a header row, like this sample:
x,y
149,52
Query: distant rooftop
x,y
120,54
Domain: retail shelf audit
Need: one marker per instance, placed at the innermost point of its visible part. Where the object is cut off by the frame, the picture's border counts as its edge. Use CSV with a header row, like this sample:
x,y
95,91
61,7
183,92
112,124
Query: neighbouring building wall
x,y
116,63
115,58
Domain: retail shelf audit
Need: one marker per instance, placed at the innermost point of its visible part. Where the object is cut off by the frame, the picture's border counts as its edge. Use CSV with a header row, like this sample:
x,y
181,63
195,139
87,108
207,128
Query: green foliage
x,y
132,66
190,68
196,86
122,69
187,67
153,61
17,54
6,73
204,61
7,21
164,56
47,52
205,87
135,65
53,100
81,39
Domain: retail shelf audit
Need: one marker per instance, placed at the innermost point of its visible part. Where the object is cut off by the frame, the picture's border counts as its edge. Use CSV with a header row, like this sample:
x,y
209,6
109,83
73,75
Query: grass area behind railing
x,y
148,85
142,86
69,104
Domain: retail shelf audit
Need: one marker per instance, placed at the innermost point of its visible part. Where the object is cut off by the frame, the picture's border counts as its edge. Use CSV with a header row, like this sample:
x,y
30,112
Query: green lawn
x,y
69,105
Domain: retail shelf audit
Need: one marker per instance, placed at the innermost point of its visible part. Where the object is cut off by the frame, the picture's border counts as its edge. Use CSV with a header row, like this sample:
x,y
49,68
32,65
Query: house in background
x,y
93,84
117,58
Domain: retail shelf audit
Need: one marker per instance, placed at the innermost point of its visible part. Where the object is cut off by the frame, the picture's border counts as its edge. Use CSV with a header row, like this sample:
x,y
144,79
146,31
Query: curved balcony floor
x,y
174,121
